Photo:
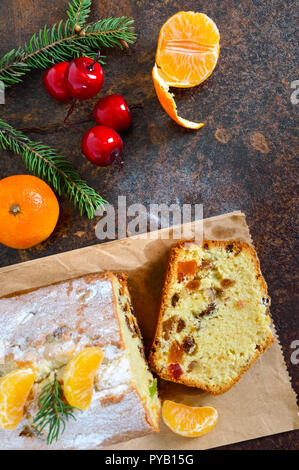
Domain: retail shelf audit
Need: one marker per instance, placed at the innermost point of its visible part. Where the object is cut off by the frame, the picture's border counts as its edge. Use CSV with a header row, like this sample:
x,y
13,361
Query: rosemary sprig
x,y
53,168
53,411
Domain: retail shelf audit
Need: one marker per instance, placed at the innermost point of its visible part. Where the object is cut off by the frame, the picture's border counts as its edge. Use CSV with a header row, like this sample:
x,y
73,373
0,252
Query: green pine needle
x,y
109,32
53,411
53,168
60,43
78,12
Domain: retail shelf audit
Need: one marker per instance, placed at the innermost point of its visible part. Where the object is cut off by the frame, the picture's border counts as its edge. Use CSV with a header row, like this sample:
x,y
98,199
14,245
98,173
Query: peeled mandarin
x,y
188,48
187,53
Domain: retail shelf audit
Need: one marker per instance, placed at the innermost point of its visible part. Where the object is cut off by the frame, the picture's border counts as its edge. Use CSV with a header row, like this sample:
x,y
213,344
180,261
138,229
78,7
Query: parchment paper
x,y
262,403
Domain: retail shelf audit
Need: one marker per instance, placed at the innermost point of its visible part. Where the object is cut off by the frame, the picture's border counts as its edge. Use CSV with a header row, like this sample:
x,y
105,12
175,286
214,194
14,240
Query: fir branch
x,y
53,411
111,32
78,12
53,168
58,43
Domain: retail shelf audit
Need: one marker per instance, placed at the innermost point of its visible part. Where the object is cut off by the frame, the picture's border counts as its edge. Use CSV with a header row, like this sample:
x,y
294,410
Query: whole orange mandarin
x,y
29,211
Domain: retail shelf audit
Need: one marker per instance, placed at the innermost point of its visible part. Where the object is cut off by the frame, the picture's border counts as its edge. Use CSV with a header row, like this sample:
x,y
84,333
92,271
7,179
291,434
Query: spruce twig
x,y
59,43
53,168
78,12
53,411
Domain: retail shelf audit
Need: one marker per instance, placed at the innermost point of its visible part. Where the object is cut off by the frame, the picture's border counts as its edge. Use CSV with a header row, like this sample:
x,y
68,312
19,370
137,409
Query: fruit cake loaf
x,y
214,318
46,327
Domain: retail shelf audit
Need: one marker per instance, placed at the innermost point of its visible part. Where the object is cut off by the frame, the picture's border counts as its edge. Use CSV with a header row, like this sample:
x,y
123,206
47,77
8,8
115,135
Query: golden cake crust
x,y
171,273
123,281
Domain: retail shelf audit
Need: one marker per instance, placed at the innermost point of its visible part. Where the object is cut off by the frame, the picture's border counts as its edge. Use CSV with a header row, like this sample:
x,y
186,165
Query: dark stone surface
x,y
243,158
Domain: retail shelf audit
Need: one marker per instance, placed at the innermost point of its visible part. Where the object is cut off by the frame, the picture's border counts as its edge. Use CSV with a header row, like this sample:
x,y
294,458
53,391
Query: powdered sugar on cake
x,y
47,327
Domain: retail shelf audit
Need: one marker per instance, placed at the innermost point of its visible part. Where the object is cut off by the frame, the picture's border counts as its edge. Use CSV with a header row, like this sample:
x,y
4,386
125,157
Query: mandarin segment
x,y
14,390
189,421
79,376
188,49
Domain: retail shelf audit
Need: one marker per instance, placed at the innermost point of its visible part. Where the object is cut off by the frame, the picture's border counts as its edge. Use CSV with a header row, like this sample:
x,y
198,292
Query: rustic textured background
x,y
243,158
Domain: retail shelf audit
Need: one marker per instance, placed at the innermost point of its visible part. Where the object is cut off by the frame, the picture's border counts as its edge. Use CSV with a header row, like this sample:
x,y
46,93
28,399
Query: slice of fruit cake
x,y
214,318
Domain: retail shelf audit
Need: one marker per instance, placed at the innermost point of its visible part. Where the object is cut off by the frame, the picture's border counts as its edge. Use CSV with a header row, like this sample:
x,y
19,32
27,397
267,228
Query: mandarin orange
x,y
29,211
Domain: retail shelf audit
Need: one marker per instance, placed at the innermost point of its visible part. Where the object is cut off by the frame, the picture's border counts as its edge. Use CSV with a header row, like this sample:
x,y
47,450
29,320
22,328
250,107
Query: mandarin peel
x,y
167,102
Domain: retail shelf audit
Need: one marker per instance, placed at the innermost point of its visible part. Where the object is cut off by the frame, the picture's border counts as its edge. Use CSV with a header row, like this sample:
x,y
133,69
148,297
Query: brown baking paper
x,y
262,403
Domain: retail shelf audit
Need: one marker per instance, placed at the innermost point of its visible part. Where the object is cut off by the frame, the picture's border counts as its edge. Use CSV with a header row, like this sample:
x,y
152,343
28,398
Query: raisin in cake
x,y
214,319
47,326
